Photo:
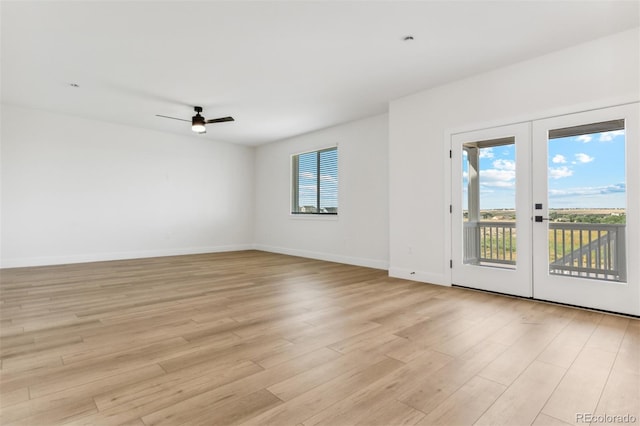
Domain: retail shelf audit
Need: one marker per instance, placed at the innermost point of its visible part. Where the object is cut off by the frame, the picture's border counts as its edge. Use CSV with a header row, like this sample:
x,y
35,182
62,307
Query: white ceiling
x,y
280,68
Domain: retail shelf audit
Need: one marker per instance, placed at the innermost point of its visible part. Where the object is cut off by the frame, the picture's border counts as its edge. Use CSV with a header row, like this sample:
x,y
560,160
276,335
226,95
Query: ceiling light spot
x,y
408,38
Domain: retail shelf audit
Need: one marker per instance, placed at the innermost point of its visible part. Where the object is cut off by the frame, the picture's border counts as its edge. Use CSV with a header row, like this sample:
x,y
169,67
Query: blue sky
x,y
586,171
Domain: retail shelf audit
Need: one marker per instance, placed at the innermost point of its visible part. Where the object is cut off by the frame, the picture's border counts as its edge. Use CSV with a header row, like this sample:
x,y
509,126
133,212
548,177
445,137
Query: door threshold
x,y
550,302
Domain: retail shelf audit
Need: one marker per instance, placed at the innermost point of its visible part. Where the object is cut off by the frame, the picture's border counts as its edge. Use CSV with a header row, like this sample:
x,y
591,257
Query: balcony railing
x,y
589,250
490,242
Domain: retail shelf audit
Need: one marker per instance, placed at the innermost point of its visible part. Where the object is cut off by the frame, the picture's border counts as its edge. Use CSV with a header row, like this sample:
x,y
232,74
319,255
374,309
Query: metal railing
x,y
588,250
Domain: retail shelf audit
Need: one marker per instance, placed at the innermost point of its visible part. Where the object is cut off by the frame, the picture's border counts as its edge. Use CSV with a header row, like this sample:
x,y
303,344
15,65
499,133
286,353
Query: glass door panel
x,y
489,203
587,201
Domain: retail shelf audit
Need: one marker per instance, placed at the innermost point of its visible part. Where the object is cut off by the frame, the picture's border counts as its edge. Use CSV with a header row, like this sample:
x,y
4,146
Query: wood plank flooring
x,y
255,338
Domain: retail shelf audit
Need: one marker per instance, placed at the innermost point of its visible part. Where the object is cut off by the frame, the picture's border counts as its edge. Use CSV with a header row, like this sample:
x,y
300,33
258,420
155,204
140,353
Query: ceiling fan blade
x,y
219,120
173,118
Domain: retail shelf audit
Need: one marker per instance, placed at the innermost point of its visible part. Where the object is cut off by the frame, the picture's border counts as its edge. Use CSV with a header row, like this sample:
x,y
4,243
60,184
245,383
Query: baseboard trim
x,y
101,257
357,261
419,276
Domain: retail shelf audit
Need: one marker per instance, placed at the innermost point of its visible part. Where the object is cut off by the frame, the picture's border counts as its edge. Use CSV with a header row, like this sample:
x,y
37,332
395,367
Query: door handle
x,y
540,218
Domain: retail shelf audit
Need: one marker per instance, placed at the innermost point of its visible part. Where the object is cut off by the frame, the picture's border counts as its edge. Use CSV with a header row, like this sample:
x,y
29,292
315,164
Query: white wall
x,y
78,190
596,74
359,235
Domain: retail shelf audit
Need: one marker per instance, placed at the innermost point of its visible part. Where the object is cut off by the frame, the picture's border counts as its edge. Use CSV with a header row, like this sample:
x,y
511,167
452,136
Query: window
x,y
315,182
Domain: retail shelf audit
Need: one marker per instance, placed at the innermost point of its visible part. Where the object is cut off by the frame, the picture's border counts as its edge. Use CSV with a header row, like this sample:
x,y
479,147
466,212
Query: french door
x,y
550,209
490,210
586,199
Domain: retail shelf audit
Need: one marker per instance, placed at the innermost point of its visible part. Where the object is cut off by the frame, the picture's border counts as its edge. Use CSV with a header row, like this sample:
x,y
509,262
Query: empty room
x,y
320,212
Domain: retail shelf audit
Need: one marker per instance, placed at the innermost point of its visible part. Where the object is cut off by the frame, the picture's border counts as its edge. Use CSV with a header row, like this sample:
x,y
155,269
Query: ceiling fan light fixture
x,y
197,124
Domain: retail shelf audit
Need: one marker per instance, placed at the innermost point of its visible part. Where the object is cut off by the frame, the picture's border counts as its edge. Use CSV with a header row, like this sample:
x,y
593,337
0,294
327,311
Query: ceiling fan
x,y
198,121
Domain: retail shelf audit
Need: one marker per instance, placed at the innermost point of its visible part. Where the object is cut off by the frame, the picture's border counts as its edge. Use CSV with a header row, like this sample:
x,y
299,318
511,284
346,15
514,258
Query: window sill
x,y
329,217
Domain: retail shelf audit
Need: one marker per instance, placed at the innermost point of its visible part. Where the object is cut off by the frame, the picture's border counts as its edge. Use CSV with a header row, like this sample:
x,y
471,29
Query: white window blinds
x,y
315,182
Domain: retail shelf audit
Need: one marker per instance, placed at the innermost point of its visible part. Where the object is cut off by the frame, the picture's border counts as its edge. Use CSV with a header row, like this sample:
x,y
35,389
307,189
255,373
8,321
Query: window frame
x,y
294,199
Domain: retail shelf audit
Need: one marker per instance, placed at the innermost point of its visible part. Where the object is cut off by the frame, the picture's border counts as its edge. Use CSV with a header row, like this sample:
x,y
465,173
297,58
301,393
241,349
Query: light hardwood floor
x,y
255,338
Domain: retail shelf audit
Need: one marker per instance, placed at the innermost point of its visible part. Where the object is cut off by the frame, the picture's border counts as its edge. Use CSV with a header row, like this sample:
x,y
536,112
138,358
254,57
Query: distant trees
x,y
588,218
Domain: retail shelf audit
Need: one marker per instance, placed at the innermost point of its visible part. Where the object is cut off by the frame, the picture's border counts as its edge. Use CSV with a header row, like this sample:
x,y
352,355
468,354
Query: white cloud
x,y
584,158
307,175
486,152
498,184
559,159
504,164
589,190
498,178
328,178
608,136
496,175
560,172
584,138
